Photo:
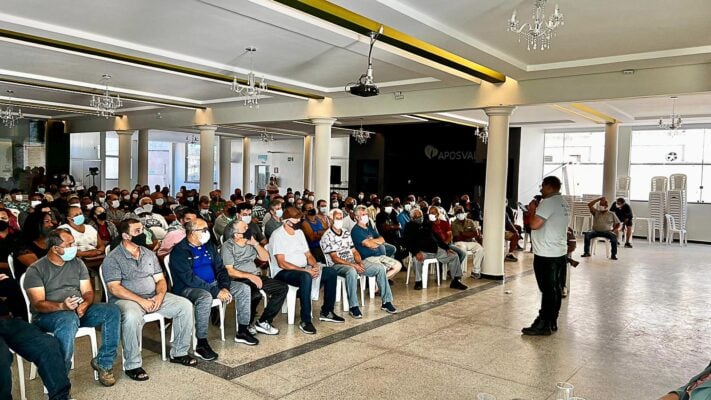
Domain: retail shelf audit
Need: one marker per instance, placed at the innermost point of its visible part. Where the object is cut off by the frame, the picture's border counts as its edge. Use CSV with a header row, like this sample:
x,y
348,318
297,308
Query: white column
x,y
246,142
143,156
124,166
226,166
207,159
495,191
322,157
102,157
308,140
609,167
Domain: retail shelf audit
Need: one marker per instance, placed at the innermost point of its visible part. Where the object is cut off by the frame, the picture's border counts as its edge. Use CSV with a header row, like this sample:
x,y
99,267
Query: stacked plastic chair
x,y
622,188
657,209
676,207
659,184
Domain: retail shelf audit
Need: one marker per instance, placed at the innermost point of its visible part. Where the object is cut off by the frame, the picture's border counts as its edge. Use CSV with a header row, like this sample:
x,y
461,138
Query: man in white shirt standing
x,y
549,226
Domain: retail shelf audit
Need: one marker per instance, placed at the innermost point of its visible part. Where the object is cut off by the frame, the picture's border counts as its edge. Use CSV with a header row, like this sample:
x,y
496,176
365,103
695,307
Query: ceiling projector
x,y
365,87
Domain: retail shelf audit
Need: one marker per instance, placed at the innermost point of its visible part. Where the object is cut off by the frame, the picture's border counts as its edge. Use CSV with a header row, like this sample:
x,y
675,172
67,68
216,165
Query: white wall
x,y
530,171
340,149
83,154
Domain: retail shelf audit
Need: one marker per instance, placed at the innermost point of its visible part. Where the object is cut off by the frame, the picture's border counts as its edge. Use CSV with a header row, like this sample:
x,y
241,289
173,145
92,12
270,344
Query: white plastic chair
x,y
595,241
289,306
425,270
83,331
11,264
341,288
20,375
672,229
215,303
149,317
650,228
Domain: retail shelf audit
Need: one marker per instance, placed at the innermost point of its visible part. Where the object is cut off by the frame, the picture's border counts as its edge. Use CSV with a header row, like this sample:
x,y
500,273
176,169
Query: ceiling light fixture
x,y
539,32
8,115
361,136
253,89
105,104
482,133
192,139
675,124
266,136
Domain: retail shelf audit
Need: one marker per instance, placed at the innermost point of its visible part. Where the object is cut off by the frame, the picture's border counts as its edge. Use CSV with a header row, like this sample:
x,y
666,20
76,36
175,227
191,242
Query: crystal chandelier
x,y
482,134
192,139
539,32
265,136
361,136
104,103
253,89
8,115
674,125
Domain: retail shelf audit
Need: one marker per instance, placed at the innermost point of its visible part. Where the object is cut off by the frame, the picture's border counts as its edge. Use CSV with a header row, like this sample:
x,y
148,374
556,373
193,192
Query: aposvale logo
x,y
433,153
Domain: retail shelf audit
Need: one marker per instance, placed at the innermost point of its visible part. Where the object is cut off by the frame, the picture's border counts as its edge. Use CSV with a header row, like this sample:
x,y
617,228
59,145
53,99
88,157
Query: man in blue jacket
x,y
199,275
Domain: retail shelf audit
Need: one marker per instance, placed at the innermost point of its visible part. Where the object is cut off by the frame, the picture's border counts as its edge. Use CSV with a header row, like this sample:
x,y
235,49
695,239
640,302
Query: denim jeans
x,y
596,234
276,293
389,249
303,281
373,267
36,347
547,270
202,300
65,324
460,253
443,256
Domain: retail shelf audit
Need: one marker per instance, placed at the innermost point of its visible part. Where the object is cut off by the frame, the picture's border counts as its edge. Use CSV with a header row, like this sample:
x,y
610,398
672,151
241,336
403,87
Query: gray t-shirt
x,y
240,257
603,221
58,282
135,275
551,240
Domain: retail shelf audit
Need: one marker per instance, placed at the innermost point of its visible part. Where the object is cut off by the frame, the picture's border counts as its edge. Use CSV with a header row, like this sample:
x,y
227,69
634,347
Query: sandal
x,y
137,374
184,360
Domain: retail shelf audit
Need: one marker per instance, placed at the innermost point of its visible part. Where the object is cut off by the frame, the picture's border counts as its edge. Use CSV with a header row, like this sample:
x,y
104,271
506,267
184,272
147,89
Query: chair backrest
x,y
27,298
671,223
273,266
623,183
103,282
173,207
11,264
659,184
166,263
14,212
677,182
108,249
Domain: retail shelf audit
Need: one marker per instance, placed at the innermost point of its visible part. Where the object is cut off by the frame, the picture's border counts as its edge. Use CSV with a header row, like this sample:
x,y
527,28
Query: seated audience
x,y
272,221
422,243
296,266
623,211
314,228
389,227
90,247
135,283
62,301
199,275
176,231
605,224
226,217
443,229
342,256
99,220
153,222
244,213
370,245
511,235
114,211
465,233
238,254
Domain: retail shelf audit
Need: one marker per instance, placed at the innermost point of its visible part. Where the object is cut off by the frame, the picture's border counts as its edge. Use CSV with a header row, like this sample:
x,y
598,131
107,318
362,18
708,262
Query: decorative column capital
x,y
212,128
125,132
499,111
323,121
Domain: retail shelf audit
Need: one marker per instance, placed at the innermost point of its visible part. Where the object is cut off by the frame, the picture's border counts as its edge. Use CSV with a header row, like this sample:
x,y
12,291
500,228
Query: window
x,y
576,158
192,164
658,153
112,160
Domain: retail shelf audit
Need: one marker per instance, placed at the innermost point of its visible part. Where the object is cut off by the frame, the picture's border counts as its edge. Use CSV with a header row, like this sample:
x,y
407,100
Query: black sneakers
x,y
205,352
457,284
355,313
307,327
539,328
246,338
331,317
389,308
585,255
613,257
418,285
628,245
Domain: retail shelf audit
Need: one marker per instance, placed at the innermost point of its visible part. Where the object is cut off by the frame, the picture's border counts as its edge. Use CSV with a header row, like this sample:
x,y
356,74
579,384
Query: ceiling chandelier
x,y
265,136
482,133
675,124
8,115
539,32
361,136
105,104
253,89
192,139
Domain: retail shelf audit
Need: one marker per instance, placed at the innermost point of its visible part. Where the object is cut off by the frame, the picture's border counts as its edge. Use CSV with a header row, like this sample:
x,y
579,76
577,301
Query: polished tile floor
x,y
630,329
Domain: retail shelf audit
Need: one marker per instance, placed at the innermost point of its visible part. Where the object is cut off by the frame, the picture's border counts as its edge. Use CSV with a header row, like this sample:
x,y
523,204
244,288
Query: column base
x,y
492,277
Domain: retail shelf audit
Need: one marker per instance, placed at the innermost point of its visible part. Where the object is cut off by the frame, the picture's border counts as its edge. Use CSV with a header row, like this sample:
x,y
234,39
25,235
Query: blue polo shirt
x,y
202,264
359,234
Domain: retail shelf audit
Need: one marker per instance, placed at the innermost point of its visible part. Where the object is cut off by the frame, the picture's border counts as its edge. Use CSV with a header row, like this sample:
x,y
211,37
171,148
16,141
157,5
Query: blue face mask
x,y
279,213
40,190
79,219
69,253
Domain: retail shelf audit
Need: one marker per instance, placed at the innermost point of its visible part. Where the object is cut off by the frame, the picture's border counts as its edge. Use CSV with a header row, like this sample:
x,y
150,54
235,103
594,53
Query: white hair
x,y
333,211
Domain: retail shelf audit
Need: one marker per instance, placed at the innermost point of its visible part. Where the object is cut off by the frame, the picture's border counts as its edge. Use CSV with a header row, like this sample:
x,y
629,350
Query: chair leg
x,y
409,264
338,289
222,320
162,337
439,278
373,285
344,293
425,274
21,377
33,371
94,350
291,305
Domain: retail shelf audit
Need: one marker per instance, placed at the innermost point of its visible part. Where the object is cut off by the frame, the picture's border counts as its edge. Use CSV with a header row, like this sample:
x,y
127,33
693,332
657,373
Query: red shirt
x,y
441,229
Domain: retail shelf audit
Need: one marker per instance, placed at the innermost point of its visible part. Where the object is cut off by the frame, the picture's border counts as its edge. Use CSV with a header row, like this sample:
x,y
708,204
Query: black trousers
x,y
548,271
276,292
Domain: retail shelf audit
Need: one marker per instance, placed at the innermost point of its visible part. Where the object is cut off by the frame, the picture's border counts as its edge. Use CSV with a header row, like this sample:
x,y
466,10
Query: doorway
x,y
261,177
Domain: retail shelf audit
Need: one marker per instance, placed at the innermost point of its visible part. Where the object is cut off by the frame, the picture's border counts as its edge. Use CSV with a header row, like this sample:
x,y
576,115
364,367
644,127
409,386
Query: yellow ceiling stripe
x,y
592,111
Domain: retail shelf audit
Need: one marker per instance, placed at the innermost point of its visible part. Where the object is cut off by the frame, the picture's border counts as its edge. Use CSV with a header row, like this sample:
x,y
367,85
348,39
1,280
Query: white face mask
x,y
251,201
290,200
259,201
135,195
432,217
204,237
18,197
388,210
159,202
602,208
364,219
334,204
311,198
115,203
461,216
246,219
408,207
101,200
90,206
35,203
204,210
190,198
127,197
338,224
148,207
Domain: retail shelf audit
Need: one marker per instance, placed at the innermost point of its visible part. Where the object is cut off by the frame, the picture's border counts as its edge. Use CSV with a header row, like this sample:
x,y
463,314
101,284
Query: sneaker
x,y
613,258
564,292
389,308
457,284
266,328
355,313
585,255
331,317
106,376
628,245
246,338
510,257
476,275
205,352
252,330
307,327
418,285
538,328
